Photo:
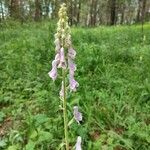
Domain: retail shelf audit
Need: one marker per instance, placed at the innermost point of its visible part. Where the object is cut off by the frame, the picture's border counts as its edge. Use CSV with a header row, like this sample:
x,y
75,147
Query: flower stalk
x,y
65,110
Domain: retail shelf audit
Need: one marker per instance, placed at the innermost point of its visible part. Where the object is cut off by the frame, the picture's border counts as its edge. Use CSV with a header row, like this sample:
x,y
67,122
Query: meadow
x,y
114,93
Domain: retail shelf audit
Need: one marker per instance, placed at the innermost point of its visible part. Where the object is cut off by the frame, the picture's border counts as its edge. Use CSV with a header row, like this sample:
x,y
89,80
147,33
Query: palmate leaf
x,y
40,119
44,136
30,146
13,147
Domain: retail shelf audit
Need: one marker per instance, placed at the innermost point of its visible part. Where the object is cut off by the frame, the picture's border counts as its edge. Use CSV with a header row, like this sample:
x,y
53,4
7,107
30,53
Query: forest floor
x,y
113,70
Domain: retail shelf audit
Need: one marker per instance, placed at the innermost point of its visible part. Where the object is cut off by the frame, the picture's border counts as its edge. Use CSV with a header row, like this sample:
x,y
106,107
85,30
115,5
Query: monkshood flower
x,y
73,84
55,62
62,61
78,143
72,67
71,53
77,114
58,62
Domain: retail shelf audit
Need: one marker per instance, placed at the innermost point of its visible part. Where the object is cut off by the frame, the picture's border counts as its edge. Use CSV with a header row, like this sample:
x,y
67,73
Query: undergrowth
x,y
114,91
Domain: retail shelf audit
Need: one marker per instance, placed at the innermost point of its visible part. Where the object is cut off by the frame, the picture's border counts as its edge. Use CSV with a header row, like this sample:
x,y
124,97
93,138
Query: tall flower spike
x,y
63,42
78,143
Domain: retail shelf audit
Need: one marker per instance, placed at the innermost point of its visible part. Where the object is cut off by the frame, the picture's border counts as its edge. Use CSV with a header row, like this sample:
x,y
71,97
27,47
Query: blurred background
x,y
81,12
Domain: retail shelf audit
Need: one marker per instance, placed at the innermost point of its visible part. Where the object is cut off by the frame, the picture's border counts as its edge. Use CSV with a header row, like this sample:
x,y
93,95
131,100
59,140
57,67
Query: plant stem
x,y
65,111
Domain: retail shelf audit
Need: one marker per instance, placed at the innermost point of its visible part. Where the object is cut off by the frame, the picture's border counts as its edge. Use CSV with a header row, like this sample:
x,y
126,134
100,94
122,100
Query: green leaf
x,y
30,145
33,134
44,136
13,147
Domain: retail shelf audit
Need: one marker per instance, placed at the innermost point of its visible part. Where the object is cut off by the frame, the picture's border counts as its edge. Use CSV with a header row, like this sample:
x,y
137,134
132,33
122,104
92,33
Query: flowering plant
x,y
64,59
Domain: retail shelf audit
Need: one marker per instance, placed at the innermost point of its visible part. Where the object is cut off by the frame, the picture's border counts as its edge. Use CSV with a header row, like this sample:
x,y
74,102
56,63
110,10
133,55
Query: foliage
x,y
114,92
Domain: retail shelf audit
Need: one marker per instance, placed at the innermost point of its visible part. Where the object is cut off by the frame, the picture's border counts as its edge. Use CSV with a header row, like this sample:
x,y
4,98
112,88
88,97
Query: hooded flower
x,y
71,53
62,63
72,67
77,114
53,72
55,62
73,84
78,143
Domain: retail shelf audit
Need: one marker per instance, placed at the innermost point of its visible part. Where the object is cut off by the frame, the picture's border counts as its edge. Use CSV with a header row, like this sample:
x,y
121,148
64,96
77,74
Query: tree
x,y
1,11
38,12
47,5
93,12
143,16
112,12
79,11
14,9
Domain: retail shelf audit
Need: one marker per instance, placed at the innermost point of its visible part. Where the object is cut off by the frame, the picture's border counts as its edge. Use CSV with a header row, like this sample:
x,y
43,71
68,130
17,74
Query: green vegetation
x,y
114,76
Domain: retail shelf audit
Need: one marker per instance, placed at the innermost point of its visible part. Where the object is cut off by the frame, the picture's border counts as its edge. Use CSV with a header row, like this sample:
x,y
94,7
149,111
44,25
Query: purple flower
x,y
62,63
73,84
77,114
71,53
61,93
53,72
72,66
78,143
57,58
55,62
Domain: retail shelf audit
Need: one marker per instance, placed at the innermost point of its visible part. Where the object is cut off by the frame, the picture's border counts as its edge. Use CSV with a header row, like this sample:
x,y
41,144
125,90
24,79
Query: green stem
x,y
65,111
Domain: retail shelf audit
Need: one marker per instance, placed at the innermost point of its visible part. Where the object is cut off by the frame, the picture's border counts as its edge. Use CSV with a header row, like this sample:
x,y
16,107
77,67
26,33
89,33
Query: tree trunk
x,y
122,14
138,11
95,13
2,11
22,16
47,3
37,10
75,13
91,13
113,12
70,12
55,9
78,14
143,15
143,10
14,9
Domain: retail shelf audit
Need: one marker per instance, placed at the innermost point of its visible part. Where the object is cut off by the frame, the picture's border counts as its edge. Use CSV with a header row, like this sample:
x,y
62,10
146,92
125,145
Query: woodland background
x,y
81,12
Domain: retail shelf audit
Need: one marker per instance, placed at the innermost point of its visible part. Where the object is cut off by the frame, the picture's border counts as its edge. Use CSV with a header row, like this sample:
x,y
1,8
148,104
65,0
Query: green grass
x,y
113,70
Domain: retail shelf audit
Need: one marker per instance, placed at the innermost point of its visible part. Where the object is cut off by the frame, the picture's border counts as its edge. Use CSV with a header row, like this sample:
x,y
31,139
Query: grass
x,y
113,70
